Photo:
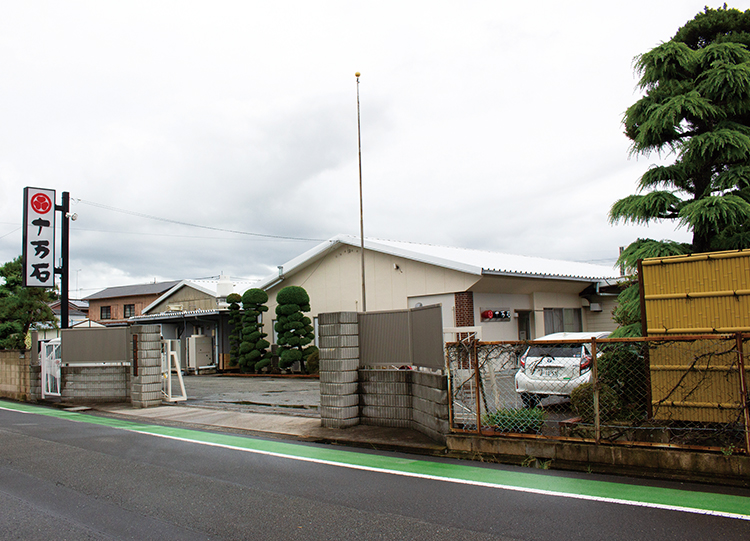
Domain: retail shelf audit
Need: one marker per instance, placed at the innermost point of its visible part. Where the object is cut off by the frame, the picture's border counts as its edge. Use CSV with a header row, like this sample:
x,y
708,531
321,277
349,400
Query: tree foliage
x,y
293,328
696,106
21,307
254,353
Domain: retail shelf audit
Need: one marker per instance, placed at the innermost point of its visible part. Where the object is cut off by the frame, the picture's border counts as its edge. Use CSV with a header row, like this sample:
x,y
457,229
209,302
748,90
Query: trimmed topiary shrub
x,y
254,346
582,399
293,329
235,328
312,359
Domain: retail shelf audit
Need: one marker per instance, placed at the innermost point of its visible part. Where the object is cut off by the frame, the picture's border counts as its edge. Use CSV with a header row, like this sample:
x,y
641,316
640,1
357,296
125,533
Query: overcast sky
x,y
488,125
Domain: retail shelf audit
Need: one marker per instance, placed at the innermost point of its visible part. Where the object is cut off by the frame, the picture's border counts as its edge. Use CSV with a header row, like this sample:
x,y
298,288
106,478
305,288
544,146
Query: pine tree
x,y
696,105
21,307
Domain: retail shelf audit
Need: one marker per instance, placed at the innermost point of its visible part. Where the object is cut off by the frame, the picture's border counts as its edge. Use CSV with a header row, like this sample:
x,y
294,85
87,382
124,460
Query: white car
x,y
556,369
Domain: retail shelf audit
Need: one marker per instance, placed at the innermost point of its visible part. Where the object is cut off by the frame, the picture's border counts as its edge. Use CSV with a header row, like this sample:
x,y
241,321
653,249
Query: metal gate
x,y
51,362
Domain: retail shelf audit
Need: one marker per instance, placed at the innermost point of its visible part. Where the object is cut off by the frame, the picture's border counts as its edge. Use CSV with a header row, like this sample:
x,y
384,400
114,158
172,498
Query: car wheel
x,y
530,400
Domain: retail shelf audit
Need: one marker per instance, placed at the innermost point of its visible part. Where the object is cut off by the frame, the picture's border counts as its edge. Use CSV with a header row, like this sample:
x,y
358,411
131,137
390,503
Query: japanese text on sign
x,y
38,237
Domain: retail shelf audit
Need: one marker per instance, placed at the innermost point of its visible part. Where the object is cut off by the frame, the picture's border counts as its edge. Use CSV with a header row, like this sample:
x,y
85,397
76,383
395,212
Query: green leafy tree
x,y
293,328
696,106
235,325
254,353
21,307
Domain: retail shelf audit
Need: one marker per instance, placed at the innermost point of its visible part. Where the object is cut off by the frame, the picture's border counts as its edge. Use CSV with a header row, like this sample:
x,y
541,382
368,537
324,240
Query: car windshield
x,y
554,351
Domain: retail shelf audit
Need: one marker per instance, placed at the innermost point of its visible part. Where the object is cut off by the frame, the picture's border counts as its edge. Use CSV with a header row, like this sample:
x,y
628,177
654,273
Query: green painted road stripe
x,y
664,498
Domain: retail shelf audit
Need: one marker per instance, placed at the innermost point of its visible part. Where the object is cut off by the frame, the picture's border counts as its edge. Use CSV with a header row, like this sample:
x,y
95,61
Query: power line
x,y
167,220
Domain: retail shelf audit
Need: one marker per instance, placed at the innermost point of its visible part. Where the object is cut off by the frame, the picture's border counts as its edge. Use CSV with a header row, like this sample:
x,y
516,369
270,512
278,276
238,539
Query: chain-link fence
x,y
685,391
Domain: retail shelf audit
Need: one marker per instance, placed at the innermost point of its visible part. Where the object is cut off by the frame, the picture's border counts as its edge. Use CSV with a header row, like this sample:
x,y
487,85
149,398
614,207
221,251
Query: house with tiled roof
x,y
115,305
510,297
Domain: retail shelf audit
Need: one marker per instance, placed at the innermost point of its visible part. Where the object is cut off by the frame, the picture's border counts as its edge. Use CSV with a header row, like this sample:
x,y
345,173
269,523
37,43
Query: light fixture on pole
x,y
361,214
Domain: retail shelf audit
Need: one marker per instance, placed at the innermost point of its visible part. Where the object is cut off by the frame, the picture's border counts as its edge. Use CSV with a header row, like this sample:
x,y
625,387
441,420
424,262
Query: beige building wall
x,y
446,301
493,331
334,282
189,298
600,321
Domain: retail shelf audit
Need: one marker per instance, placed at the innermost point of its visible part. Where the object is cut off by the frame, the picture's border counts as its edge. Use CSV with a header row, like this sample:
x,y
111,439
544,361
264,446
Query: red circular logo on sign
x,y
41,203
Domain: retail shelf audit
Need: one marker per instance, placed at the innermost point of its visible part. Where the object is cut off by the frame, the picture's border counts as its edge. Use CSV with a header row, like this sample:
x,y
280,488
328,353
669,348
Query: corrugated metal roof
x,y
128,291
175,315
476,262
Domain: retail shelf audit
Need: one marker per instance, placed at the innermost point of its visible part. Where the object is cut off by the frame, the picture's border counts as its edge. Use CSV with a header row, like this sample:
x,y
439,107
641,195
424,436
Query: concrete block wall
x,y
95,384
145,388
14,374
386,397
339,362
35,383
350,395
430,404
405,399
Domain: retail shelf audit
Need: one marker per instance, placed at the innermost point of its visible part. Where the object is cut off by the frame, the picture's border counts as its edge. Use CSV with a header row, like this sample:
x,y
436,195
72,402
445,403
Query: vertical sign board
x,y
38,237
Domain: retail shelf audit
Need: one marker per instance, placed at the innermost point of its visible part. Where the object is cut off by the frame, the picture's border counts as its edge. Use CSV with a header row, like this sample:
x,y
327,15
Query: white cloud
x,y
490,125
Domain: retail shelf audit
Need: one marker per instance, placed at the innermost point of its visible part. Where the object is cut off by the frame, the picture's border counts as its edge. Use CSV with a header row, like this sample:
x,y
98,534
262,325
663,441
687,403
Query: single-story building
x,y
510,297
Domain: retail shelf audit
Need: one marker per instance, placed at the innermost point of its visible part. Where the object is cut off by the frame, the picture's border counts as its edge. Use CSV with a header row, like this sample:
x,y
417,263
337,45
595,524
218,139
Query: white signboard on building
x,y
38,237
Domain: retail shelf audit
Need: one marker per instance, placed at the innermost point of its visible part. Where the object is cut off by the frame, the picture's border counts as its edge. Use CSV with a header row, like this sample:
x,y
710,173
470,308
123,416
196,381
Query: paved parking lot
x,y
290,396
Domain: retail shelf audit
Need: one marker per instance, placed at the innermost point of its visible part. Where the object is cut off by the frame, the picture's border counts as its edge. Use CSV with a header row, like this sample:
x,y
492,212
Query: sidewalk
x,y
279,426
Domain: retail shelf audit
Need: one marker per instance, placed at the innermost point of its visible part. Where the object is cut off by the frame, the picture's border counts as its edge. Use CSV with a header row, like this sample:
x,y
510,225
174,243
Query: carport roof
x,y
477,262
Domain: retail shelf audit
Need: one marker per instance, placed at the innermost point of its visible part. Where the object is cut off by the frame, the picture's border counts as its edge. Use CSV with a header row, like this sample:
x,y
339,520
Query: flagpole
x,y
361,214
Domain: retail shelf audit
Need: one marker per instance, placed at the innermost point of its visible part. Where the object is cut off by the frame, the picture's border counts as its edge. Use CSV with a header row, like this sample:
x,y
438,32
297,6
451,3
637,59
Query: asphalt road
x,y
79,476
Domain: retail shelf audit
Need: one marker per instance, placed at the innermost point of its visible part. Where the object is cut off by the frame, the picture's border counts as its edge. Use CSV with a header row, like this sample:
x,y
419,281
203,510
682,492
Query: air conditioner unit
x,y
595,307
200,352
174,308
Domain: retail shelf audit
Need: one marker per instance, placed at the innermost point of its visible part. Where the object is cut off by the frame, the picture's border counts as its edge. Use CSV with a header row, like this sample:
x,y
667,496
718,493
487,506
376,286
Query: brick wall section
x,y
15,381
145,388
464,309
339,361
117,307
405,399
85,384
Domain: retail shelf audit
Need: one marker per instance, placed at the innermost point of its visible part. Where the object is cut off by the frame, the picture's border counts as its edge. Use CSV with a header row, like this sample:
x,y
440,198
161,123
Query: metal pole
x,y
361,214
63,270
595,381
743,390
477,383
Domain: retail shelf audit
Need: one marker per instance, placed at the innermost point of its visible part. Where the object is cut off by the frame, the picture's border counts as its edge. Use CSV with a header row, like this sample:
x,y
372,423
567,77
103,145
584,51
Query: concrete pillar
x,y
145,389
339,361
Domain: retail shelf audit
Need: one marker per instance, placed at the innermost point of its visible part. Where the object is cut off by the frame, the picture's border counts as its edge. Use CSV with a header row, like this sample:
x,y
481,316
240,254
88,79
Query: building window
x,y
105,312
562,320
129,310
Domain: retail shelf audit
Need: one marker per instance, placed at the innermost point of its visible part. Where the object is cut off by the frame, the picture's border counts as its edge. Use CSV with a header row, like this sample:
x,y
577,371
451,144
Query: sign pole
x,y
63,270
